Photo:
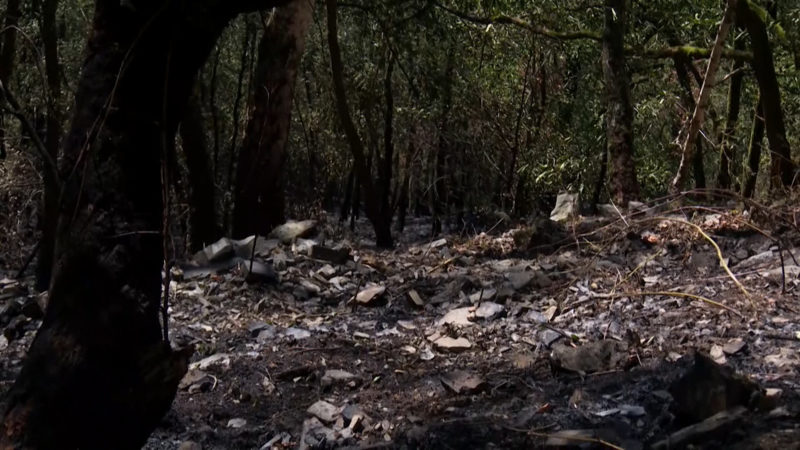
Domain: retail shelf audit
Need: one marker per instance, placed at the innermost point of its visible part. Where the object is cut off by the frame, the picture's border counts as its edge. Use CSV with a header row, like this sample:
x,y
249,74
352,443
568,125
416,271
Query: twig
x,y
671,294
566,438
721,258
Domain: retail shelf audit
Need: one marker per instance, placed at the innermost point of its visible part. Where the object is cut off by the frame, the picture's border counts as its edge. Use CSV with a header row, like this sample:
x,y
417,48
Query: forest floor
x,y
476,340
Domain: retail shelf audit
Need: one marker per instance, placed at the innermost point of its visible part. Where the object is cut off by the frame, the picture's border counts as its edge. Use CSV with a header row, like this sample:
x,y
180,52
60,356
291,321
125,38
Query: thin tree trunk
x,y
619,112
726,154
235,119
388,144
51,141
203,223
8,56
212,107
682,68
754,152
381,225
698,117
781,166
100,373
439,194
260,199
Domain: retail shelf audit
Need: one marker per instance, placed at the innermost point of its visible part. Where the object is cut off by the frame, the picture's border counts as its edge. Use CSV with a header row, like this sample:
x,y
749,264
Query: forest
x,y
368,224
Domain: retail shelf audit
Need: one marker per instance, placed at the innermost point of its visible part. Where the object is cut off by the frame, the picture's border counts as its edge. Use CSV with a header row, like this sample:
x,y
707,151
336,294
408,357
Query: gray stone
x,y
290,231
566,207
218,251
324,411
336,376
448,344
297,333
519,279
489,311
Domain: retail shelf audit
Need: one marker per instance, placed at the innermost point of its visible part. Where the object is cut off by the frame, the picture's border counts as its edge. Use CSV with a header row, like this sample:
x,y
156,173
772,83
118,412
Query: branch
x,y
503,19
16,111
693,52
668,52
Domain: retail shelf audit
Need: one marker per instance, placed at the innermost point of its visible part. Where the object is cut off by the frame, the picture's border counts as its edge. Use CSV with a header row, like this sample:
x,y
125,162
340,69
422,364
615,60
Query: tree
x,y
380,222
100,372
619,112
259,205
8,55
781,166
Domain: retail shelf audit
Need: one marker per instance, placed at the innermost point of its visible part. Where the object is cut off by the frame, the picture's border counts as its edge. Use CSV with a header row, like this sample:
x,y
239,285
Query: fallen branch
x,y
672,294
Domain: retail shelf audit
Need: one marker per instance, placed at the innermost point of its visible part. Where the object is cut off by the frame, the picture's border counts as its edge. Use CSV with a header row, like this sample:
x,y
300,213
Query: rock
x,y
461,382
351,411
448,344
336,376
258,272
243,248
218,359
190,445
458,317
219,251
708,388
366,296
415,298
717,354
482,295
489,311
3,342
237,422
324,411
566,208
592,357
15,328
297,333
191,378
438,243
519,279
256,327
548,337
291,230
266,334
607,210
316,435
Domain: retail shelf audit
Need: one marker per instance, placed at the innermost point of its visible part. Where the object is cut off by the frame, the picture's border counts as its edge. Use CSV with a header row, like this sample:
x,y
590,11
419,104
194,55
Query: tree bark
x,y
380,223
52,189
260,198
726,154
99,374
8,56
781,166
388,143
203,223
619,113
754,152
682,68
698,116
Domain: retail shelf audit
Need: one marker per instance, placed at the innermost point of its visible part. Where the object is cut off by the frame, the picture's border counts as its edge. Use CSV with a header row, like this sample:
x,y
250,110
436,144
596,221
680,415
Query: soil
x,y
651,284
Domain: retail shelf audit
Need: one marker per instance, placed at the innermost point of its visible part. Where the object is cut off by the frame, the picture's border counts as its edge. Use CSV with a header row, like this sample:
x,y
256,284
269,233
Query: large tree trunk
x,y
99,374
619,112
709,81
754,152
8,56
380,223
781,166
726,154
259,204
52,137
204,227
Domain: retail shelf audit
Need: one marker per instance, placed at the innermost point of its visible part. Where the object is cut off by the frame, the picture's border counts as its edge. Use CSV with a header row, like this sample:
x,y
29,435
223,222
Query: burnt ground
x,y
477,341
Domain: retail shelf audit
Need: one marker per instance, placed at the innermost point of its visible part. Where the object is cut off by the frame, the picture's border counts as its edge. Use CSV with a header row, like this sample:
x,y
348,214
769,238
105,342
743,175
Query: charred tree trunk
x,y
439,197
260,199
388,143
203,224
380,223
781,166
51,141
99,373
726,154
8,56
619,112
754,152
236,116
